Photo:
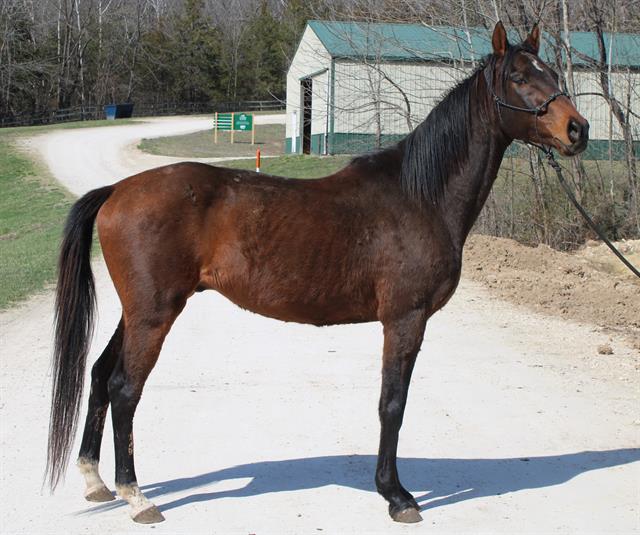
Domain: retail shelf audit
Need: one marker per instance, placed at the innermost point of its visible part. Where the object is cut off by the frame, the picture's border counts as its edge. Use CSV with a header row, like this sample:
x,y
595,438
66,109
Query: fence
x,y
90,113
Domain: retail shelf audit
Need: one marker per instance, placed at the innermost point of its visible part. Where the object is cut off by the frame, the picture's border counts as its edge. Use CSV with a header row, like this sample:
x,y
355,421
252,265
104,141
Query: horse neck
x,y
467,191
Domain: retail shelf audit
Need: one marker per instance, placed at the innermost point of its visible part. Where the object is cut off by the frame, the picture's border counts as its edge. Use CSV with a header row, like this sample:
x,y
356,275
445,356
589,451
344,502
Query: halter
x,y
535,111
542,108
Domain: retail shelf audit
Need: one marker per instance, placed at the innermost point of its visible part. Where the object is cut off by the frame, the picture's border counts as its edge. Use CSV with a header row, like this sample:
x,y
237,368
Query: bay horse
x,y
380,240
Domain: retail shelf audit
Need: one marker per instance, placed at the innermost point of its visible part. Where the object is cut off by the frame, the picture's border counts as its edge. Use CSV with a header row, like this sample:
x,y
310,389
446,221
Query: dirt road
x,y
515,423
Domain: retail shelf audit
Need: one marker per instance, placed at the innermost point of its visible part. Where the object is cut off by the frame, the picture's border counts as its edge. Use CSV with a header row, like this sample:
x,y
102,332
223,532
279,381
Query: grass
x,y
32,212
33,208
269,139
32,130
294,166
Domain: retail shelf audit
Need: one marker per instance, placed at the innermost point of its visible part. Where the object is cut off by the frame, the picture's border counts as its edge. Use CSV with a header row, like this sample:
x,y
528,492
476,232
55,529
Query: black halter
x,y
535,111
542,108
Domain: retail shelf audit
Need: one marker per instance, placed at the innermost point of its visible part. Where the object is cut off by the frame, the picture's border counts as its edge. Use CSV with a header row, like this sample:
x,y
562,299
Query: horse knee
x,y
391,411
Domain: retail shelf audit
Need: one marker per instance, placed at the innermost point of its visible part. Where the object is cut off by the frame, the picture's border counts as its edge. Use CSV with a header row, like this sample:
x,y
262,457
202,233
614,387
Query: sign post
x,y
241,122
233,129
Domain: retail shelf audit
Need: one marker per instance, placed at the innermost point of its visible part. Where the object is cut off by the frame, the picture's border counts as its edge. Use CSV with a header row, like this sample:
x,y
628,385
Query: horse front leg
x,y
402,340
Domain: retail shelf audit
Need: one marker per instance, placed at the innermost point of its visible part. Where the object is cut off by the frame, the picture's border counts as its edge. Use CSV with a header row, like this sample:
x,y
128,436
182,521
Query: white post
x,y
294,129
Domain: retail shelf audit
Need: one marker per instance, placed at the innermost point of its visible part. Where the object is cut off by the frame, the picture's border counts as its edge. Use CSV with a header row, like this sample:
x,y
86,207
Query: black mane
x,y
439,146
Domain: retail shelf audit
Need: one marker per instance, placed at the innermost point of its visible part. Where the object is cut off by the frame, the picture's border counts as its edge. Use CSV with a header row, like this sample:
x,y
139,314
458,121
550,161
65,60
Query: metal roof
x,y
415,42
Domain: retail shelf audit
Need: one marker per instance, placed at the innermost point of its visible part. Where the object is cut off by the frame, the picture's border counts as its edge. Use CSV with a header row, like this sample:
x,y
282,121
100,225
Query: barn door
x,y
306,92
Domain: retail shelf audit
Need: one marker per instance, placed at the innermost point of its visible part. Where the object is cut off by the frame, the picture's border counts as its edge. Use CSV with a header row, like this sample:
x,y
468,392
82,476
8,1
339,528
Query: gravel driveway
x,y
515,423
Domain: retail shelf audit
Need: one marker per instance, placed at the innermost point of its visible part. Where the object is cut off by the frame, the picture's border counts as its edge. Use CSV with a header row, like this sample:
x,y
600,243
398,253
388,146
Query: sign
x,y
223,121
233,122
243,122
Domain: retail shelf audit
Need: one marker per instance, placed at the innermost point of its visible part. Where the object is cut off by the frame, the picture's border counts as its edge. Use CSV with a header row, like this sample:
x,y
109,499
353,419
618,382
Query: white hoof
x,y
148,515
96,490
142,510
98,493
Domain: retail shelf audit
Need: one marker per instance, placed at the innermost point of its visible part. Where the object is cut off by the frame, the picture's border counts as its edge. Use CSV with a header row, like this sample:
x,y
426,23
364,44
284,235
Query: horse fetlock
x,y
142,510
96,490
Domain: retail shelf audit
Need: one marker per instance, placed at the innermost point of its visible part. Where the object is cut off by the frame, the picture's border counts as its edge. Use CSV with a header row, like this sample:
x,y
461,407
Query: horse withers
x,y
380,240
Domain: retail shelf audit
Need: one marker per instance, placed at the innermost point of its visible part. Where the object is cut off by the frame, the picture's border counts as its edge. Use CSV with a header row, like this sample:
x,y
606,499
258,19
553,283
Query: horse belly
x,y
284,289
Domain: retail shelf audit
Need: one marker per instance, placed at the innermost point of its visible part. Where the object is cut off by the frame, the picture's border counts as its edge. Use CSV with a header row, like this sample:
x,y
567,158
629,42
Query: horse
x,y
380,240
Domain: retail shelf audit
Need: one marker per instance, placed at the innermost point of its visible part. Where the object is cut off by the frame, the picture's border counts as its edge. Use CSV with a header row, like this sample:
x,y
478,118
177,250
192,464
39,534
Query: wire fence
x,y
143,109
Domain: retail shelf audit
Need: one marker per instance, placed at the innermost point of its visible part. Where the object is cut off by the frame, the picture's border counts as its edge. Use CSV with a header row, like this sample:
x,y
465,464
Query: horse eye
x,y
518,79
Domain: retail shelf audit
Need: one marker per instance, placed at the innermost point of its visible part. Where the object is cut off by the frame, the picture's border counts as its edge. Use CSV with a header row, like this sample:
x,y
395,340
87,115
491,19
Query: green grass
x,y
294,166
31,130
32,212
269,139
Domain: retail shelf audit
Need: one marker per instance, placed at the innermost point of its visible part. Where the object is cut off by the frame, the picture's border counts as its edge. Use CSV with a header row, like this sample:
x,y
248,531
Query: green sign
x,y
243,121
223,121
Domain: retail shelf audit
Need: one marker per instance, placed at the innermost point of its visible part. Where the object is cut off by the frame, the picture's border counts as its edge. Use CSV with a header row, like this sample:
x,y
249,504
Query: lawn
x,y
294,166
32,212
269,138
72,125
33,208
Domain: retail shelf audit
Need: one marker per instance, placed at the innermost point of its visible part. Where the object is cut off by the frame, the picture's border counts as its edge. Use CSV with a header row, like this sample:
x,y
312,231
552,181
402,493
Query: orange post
x,y
258,161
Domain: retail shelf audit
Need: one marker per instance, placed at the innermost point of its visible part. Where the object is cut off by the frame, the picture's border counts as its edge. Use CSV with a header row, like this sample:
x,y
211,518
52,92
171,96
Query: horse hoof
x,y
148,515
407,516
98,493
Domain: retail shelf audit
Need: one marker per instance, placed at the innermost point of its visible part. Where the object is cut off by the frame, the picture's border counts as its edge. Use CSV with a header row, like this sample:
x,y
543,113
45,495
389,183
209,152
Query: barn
x,y
354,87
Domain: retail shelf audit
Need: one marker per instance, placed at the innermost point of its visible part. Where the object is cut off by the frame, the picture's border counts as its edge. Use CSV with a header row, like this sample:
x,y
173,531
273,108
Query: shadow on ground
x,y
438,482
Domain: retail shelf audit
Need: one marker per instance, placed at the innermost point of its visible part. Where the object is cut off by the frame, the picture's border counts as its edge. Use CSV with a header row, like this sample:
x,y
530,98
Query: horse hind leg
x,y
89,457
143,339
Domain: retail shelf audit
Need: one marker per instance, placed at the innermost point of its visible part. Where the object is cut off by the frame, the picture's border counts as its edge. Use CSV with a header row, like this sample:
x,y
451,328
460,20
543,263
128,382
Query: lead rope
x,y
556,166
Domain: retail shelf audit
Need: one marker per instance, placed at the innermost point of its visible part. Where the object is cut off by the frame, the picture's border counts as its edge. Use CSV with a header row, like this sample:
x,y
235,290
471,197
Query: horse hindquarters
x,y
148,243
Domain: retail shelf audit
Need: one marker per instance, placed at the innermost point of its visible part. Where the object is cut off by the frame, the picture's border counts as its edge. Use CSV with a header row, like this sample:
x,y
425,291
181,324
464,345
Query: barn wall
x,y
595,108
368,95
370,111
310,58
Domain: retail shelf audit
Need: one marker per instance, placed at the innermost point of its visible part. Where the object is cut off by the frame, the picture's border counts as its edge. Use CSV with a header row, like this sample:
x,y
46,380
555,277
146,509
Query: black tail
x,y
74,308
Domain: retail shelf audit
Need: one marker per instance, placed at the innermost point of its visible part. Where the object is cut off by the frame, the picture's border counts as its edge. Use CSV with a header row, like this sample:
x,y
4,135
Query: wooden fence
x,y
90,113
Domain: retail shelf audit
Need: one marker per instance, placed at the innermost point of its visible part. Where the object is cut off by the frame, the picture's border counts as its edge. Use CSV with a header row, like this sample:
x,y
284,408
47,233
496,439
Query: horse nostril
x,y
574,131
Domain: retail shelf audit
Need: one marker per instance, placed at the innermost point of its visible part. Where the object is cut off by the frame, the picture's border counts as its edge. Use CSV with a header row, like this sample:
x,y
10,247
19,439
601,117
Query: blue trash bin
x,y
110,111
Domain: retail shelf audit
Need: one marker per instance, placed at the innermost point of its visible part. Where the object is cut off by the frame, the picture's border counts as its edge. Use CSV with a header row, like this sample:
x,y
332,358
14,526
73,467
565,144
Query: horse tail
x,y
74,311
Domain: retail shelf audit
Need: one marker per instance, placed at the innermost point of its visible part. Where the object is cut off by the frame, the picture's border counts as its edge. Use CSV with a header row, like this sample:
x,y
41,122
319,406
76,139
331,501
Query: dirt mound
x,y
587,285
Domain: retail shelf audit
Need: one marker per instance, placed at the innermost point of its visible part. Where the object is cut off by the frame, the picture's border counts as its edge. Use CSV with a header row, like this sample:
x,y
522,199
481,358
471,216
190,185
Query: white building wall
x,y
368,96
625,87
364,92
310,58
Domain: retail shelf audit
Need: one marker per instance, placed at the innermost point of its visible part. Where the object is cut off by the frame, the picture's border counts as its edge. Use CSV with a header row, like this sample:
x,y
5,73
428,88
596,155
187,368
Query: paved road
x,y
514,424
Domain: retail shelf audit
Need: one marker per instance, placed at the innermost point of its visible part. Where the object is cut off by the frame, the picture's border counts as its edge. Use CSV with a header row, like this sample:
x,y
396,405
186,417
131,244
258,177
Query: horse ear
x,y
533,39
499,39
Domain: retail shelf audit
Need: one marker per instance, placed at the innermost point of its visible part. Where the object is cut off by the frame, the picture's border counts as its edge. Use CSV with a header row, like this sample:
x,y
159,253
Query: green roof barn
x,y
354,86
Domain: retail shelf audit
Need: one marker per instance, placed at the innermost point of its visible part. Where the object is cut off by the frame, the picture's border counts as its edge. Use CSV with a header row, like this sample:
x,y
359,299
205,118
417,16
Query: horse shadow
x,y
439,482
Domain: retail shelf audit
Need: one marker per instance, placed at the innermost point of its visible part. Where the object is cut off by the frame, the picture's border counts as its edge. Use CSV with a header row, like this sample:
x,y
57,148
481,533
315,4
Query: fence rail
x,y
142,109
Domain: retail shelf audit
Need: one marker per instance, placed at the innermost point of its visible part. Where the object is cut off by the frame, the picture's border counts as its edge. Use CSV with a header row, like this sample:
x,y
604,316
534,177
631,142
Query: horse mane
x,y
439,146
